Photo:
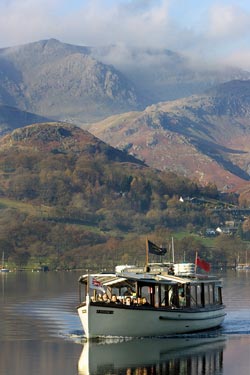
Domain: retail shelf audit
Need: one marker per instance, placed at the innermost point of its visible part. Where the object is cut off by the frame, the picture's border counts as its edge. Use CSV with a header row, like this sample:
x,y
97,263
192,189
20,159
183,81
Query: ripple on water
x,y
45,318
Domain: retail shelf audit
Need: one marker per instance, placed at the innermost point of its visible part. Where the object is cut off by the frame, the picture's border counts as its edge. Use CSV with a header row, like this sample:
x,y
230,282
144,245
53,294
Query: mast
x,y
146,265
196,256
173,249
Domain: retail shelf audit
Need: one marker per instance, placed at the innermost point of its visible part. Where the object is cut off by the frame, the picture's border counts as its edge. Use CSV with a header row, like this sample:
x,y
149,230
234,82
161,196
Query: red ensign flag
x,y
202,264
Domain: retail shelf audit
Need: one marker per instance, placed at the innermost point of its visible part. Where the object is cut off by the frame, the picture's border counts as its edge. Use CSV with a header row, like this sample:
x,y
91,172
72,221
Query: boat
x,y
150,355
155,300
3,269
243,266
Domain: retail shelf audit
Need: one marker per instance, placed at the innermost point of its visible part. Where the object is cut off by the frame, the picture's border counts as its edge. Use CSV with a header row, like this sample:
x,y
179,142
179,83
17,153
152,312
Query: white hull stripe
x,y
184,318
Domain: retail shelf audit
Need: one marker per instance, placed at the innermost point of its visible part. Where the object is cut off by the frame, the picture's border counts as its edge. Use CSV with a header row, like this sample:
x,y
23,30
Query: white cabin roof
x,y
125,279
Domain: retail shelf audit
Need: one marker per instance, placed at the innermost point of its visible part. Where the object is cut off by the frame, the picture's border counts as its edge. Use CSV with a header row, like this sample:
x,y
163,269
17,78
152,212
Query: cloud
x,y
89,22
27,20
135,23
211,29
228,21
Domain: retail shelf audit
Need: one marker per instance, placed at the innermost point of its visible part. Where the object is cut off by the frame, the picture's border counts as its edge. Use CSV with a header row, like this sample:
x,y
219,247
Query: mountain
x,y
81,84
63,82
12,118
204,137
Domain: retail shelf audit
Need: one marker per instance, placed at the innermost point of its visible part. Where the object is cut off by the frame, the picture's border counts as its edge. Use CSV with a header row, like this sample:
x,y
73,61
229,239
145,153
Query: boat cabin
x,y
155,291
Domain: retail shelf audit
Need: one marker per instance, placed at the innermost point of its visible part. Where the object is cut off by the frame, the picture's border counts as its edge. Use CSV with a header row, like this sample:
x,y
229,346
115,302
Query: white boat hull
x,y
121,321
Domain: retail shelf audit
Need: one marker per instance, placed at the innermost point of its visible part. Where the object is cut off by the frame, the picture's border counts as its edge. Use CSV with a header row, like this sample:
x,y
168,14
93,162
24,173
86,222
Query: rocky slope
x,y
205,137
63,82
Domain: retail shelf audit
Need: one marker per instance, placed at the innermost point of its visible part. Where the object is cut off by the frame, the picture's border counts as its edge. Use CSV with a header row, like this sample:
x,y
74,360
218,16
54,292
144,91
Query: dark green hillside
x,y
70,200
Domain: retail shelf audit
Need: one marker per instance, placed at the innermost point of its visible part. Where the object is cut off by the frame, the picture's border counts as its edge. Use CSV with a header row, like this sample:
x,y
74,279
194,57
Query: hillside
x,y
205,137
68,198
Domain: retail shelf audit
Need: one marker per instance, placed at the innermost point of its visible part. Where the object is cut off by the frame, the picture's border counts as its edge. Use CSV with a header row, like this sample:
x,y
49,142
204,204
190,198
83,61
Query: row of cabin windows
x,y
179,295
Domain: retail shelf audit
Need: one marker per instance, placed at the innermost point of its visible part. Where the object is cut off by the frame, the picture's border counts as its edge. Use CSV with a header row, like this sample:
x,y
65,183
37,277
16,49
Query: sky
x,y
216,31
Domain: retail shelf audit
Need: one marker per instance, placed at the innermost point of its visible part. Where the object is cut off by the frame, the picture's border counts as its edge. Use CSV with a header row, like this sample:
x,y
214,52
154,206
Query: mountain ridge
x,y
62,82
82,84
204,137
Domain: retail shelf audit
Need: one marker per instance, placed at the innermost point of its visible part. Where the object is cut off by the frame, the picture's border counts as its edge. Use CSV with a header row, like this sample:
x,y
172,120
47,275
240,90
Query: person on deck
x,y
145,302
105,298
114,299
128,301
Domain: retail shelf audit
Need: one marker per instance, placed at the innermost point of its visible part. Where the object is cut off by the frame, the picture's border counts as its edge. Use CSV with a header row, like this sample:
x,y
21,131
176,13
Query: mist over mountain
x,y
162,75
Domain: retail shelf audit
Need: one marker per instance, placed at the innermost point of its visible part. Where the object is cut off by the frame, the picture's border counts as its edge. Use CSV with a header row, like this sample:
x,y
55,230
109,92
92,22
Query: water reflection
x,y
32,357
186,356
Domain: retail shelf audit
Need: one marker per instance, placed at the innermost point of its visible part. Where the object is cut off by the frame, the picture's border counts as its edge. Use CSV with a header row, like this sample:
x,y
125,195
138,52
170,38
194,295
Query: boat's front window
x,y
196,295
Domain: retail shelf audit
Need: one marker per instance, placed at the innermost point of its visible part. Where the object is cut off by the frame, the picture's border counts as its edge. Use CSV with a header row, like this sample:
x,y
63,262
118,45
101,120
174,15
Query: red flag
x,y
202,264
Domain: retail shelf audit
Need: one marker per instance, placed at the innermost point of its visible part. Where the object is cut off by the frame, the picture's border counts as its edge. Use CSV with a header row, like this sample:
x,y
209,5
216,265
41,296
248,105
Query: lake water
x,y
41,334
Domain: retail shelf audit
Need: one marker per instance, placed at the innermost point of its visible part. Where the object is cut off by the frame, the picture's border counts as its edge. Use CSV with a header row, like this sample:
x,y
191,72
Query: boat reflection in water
x,y
186,356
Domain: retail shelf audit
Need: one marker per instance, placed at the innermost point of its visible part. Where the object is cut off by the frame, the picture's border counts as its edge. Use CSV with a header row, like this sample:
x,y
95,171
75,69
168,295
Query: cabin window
x,y
174,296
156,297
147,292
196,295
193,293
182,296
218,295
166,294
199,295
188,295
206,294
211,293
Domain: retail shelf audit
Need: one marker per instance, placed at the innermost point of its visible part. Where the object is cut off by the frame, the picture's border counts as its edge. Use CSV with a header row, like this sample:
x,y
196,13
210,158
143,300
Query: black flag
x,y
154,249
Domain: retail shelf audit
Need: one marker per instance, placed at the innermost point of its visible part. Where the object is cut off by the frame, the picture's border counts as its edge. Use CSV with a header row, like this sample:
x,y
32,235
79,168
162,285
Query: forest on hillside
x,y
91,207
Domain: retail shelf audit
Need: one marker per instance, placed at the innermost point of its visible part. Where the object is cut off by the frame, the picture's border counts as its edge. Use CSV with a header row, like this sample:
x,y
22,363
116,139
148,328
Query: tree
x,y
20,257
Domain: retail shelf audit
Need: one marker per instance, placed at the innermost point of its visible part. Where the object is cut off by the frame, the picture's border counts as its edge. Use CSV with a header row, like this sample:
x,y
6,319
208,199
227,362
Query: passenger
x,y
99,298
114,299
105,298
139,301
182,299
145,302
128,301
